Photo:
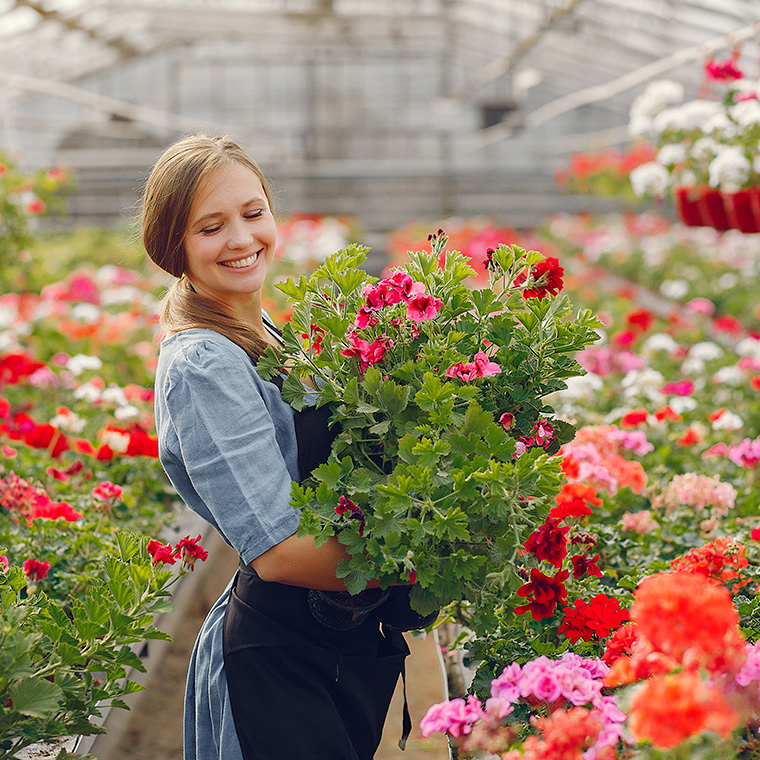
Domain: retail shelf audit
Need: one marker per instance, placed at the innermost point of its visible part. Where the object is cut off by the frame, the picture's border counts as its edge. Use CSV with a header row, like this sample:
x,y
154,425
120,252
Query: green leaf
x,y
35,697
294,392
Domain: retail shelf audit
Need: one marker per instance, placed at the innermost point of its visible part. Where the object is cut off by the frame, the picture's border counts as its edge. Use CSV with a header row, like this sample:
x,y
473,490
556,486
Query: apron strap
x,y
406,719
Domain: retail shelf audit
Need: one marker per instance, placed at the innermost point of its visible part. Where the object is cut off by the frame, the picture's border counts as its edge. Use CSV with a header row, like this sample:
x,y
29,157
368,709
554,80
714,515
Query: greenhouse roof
x,y
579,50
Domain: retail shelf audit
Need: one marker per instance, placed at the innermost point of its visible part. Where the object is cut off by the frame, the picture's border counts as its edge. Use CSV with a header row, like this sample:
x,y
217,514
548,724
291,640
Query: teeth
x,y
241,263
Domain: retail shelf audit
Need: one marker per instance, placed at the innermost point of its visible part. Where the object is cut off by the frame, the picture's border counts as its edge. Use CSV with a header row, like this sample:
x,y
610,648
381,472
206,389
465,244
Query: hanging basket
x,y
743,208
688,207
707,207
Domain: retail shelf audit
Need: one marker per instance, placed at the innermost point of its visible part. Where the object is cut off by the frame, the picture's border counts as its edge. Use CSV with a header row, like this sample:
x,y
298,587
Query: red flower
x,y
189,550
641,318
36,570
549,542
666,413
585,565
570,508
346,507
723,71
620,643
727,324
54,510
141,444
17,367
634,418
546,276
690,438
596,618
46,436
546,593
163,553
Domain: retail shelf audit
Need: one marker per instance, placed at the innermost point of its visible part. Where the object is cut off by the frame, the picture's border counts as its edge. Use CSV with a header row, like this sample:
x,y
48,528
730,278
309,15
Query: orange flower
x,y
677,612
573,491
669,709
666,413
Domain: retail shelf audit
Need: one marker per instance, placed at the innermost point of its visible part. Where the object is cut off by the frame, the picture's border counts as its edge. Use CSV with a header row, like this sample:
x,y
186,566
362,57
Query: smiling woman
x,y
232,448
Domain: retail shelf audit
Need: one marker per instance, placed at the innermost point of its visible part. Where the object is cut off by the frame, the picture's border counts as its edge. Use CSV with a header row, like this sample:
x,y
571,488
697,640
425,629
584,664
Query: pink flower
x,y
455,717
36,570
507,420
106,491
463,372
484,367
700,306
639,522
679,388
422,307
4,564
507,685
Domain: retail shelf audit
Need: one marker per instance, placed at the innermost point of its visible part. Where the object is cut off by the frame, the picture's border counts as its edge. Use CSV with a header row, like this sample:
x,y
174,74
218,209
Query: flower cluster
x,y
710,142
187,549
435,387
571,713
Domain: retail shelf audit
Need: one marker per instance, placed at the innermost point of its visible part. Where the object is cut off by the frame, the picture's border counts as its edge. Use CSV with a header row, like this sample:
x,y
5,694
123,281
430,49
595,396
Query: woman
x,y
267,679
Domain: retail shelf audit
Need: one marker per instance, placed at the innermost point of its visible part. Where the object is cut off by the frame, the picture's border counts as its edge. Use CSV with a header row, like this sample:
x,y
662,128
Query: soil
x,y
152,729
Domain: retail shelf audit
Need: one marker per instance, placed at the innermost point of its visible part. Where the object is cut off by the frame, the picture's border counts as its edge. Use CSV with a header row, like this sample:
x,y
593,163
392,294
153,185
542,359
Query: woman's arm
x,y
298,561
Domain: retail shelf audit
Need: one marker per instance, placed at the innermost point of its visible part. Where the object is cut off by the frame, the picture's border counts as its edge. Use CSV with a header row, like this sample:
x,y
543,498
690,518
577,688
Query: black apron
x,y
299,689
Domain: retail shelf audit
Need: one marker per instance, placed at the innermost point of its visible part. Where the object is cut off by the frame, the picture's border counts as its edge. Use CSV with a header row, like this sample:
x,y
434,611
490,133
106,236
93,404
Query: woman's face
x,y
230,238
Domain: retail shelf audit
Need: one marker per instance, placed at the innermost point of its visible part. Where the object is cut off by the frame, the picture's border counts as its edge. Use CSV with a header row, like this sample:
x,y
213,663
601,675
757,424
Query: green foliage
x,y
442,493
60,667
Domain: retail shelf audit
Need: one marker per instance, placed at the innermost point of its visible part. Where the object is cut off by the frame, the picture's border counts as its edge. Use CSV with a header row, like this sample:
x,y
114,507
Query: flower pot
x,y
743,209
714,210
687,205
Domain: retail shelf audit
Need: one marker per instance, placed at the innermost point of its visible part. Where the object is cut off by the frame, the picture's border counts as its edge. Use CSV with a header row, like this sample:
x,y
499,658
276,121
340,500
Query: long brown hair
x,y
166,203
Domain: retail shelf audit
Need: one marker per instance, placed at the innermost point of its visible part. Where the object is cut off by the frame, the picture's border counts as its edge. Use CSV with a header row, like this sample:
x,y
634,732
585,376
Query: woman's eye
x,y
253,214
211,230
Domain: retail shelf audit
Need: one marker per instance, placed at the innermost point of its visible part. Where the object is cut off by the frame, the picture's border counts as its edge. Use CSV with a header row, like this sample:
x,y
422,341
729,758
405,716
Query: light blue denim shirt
x,y
227,442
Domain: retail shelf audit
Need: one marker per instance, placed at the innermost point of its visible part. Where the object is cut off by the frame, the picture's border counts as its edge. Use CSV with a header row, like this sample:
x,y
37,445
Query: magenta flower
x,y
484,367
480,366
679,388
422,307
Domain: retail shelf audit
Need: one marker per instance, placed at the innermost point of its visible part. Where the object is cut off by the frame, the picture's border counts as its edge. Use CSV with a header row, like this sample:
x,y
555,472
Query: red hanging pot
x,y
714,210
687,205
743,208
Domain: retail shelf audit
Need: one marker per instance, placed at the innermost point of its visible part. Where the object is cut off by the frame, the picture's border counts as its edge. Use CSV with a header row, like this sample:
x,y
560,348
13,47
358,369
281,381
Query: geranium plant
x,y
443,463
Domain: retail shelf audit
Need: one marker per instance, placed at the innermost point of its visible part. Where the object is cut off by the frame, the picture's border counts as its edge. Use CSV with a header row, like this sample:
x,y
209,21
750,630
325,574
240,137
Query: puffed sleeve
x,y
228,427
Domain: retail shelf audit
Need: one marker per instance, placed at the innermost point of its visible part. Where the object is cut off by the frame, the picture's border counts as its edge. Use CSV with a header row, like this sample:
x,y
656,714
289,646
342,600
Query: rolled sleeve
x,y
228,445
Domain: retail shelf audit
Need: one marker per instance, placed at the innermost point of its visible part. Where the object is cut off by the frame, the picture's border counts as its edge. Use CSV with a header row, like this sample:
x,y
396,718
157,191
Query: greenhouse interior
x,y
489,271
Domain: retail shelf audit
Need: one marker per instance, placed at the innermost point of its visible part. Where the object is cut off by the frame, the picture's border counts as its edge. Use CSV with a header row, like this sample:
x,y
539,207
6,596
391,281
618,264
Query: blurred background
x,y
384,110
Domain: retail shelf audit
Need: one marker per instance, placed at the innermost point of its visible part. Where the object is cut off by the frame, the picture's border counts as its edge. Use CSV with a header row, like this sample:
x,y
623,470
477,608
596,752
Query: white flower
x,y
720,125
86,312
689,116
729,376
671,154
116,441
680,404
730,169
746,113
114,395
660,342
651,178
645,383
728,421
748,347
81,362
656,97
582,387
89,392
674,289
706,351
704,149
692,366
123,294
727,281
126,412
69,422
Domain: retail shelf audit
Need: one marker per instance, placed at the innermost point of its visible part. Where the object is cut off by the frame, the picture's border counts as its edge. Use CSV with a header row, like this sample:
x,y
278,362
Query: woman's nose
x,y
240,236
